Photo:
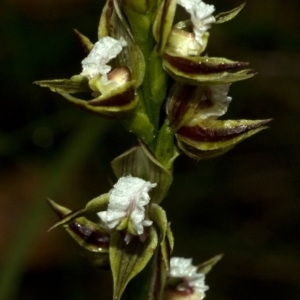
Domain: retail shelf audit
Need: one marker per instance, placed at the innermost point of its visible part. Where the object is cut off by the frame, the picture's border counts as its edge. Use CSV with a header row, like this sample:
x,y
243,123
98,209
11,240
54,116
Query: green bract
x,y
140,162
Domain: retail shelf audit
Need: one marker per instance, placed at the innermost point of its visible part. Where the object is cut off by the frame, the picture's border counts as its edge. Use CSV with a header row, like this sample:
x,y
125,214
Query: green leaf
x,y
127,260
226,16
140,162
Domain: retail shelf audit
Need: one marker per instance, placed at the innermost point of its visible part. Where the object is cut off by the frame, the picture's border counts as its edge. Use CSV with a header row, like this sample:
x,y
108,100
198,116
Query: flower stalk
x,y
153,76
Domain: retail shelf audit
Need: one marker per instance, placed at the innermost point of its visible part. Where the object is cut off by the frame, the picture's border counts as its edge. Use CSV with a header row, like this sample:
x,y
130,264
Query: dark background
x,y
244,204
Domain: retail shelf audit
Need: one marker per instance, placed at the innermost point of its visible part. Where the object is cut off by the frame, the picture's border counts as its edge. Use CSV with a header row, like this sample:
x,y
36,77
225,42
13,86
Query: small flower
x,y
209,102
181,45
103,51
214,102
127,202
191,281
201,16
192,113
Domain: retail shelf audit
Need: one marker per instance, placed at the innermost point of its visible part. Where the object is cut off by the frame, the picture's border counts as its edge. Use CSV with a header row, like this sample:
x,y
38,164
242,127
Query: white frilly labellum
x,y
128,199
103,51
201,16
218,102
183,268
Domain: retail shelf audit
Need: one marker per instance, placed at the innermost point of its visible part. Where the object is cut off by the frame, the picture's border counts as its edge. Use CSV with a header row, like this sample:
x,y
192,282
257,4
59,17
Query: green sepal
x,y
84,41
210,134
117,103
103,27
205,70
89,235
127,260
170,237
206,266
95,205
140,162
111,17
159,217
76,84
228,15
93,238
197,154
163,23
166,151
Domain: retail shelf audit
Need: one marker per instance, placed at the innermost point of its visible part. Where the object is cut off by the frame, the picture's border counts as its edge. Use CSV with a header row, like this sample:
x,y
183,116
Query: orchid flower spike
x,y
182,268
127,202
201,16
103,51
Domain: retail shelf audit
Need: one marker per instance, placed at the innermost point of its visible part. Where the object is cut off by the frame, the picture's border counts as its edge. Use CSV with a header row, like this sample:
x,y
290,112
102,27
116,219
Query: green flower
x,y
134,225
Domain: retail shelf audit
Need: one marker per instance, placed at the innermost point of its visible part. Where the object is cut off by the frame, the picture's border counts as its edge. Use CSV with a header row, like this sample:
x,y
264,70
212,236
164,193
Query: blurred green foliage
x,y
244,204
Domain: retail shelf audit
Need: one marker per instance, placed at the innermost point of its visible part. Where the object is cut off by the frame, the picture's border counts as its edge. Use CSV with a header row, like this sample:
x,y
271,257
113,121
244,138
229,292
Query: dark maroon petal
x,y
205,134
179,102
91,236
199,67
116,100
86,46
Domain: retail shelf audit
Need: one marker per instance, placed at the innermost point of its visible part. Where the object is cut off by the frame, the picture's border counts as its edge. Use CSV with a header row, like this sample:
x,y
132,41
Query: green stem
x,y
141,25
166,151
